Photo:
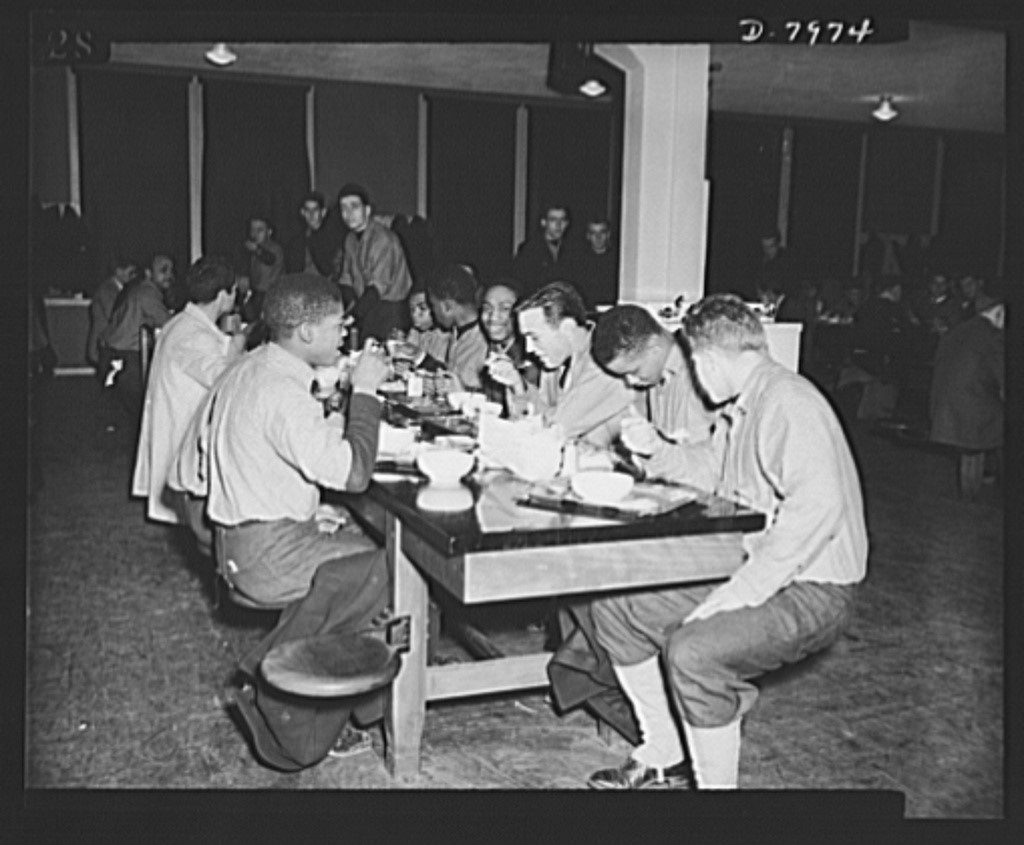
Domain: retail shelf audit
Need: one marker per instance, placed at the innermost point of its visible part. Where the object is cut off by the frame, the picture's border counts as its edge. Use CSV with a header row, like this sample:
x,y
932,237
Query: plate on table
x,y
462,442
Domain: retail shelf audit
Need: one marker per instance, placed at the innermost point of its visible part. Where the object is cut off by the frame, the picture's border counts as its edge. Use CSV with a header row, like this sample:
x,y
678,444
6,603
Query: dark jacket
x,y
534,266
323,244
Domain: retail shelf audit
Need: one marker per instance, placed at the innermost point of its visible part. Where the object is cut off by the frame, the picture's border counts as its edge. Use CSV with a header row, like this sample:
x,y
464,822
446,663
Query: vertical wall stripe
x,y
311,134
195,167
422,150
785,184
861,180
519,179
940,155
74,160
1001,257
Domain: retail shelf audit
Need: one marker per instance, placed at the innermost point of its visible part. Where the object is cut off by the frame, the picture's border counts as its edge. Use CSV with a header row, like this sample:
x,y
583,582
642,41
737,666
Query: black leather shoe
x,y
635,775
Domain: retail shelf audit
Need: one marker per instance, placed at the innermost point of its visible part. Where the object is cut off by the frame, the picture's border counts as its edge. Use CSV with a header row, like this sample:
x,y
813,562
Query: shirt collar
x,y
199,314
458,331
290,364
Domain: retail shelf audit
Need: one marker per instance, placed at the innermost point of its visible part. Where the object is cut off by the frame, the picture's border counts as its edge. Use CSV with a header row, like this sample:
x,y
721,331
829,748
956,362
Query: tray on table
x,y
644,501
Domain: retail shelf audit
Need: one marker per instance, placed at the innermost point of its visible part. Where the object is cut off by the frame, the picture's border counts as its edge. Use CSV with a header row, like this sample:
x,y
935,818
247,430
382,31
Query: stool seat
x,y
331,665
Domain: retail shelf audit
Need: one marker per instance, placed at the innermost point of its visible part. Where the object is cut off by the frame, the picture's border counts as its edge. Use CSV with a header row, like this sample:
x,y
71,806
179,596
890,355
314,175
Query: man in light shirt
x,y
261,449
190,354
776,446
574,391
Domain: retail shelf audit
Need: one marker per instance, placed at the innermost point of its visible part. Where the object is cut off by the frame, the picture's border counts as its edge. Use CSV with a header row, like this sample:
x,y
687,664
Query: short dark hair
x,y
558,300
503,282
264,218
599,218
207,277
453,282
298,298
351,189
314,196
553,206
622,330
724,321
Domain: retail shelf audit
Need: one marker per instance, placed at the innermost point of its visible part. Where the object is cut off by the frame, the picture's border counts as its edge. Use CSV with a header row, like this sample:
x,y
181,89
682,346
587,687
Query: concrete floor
x,y
127,657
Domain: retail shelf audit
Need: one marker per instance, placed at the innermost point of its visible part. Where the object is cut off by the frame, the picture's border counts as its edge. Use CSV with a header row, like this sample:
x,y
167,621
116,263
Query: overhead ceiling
x,y
941,77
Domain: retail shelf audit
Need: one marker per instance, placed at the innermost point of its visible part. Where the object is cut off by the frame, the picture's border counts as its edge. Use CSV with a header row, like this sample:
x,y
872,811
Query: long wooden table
x,y
498,551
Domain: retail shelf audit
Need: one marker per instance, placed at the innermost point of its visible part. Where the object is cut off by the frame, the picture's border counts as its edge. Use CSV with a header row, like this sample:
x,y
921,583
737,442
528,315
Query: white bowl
x,y
602,487
433,498
457,398
444,467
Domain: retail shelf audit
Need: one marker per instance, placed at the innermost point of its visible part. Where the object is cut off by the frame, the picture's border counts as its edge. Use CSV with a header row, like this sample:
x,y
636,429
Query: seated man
x,y
574,391
265,446
139,304
452,291
190,354
776,446
259,447
497,321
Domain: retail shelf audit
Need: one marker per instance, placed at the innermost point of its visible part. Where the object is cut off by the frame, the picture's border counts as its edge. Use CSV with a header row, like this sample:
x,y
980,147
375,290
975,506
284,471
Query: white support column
x,y
311,134
195,167
664,192
522,143
74,160
422,154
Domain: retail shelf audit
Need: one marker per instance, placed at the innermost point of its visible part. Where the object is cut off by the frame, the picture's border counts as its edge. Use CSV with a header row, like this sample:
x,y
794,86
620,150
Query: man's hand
x,y
252,246
503,371
639,436
371,370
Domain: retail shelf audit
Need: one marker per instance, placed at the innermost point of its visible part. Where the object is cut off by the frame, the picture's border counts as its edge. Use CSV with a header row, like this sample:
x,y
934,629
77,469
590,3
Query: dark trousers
x,y
293,732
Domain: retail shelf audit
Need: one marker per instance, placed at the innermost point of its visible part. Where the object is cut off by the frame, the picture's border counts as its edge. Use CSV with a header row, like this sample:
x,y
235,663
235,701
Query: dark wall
x,y
569,154
134,163
368,134
743,161
470,177
744,166
254,162
823,199
49,138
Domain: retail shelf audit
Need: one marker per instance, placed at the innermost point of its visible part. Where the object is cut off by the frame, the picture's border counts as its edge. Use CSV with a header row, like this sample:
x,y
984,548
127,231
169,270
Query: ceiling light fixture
x,y
221,55
885,111
573,69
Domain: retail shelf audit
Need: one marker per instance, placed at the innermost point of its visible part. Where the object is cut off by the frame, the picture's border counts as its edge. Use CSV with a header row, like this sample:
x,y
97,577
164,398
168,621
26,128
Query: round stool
x,y
331,665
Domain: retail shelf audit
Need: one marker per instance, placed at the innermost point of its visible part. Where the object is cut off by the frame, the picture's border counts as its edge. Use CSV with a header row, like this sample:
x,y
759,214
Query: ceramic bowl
x,y
444,467
602,487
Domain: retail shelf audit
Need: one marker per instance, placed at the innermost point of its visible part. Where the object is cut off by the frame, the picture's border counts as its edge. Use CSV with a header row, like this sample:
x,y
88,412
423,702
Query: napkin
x,y
394,442
526,447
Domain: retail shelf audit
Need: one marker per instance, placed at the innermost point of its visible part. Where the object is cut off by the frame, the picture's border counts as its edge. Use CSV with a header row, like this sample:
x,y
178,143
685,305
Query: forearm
x,y
362,432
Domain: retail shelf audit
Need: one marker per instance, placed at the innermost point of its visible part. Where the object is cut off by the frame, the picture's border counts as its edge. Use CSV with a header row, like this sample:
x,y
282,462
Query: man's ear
x,y
304,332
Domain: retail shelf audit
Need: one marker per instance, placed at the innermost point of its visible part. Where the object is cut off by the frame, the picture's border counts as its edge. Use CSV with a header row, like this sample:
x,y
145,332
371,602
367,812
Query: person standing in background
x,y
266,263
598,281
314,248
549,257
122,270
139,304
374,266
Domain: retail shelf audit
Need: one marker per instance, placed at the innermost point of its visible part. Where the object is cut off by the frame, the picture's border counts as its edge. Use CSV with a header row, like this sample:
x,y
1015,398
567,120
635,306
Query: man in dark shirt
x,y
548,258
598,280
313,250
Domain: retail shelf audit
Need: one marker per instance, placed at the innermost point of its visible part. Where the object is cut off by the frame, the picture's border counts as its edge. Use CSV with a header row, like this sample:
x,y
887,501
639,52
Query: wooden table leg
x,y
406,706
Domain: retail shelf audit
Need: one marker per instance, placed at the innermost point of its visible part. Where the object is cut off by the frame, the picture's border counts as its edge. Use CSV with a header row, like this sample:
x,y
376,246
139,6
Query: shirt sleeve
x,y
204,358
697,464
323,452
798,457
154,312
592,407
